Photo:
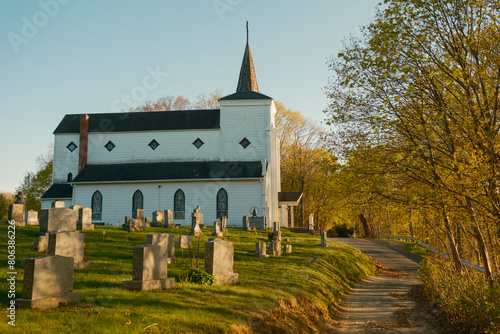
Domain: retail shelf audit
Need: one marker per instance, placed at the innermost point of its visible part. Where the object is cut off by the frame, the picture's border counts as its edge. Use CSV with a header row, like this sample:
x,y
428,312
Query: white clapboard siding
x,y
117,199
65,161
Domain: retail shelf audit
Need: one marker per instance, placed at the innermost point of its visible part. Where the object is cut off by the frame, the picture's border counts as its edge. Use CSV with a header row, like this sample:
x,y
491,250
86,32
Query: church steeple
x,y
248,80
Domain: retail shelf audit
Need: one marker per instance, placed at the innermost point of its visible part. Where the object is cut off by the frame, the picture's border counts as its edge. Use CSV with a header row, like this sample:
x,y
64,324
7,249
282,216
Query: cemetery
x,y
138,278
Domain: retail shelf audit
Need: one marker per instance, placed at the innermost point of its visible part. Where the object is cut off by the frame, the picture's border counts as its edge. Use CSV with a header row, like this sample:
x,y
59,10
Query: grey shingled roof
x,y
144,121
246,96
58,191
169,171
247,81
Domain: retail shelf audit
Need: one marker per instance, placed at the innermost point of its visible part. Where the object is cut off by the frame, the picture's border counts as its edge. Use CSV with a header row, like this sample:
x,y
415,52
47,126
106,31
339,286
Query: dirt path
x,y
380,304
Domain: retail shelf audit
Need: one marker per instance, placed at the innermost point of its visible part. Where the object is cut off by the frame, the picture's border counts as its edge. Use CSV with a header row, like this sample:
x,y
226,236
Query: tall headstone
x,y
260,223
324,242
261,249
287,249
223,223
70,244
16,214
133,224
276,226
217,230
311,222
149,270
139,214
48,281
167,245
275,248
158,219
245,224
58,220
195,222
84,222
169,219
219,260
31,217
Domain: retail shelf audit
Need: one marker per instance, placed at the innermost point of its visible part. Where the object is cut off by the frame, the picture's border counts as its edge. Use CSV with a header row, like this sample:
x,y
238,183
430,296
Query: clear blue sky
x,y
83,56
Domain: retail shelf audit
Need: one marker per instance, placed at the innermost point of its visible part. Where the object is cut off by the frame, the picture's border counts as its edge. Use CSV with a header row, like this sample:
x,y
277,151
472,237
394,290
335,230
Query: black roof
x,y
289,196
169,171
144,121
58,191
246,95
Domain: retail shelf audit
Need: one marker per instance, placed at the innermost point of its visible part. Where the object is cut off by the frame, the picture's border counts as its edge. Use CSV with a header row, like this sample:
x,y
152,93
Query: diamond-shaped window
x,y
153,144
110,146
245,142
71,147
198,143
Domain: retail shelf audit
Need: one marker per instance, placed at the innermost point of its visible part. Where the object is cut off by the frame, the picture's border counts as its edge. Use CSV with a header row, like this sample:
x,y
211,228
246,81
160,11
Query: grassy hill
x,y
289,293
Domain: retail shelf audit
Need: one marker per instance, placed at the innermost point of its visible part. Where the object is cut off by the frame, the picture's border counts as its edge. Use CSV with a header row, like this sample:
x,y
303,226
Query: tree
x,y
34,185
423,82
5,201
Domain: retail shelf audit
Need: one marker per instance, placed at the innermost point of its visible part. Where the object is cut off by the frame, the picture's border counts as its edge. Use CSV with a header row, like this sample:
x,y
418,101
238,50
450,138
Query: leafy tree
x,y
5,200
34,185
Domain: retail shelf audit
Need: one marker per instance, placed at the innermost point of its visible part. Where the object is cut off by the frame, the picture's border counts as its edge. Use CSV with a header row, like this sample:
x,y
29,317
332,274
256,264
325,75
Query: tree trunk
x,y
483,250
366,226
451,239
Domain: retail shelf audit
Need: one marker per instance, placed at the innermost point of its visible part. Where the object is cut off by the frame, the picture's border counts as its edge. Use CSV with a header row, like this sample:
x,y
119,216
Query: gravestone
x,y
58,204
147,220
260,249
158,219
195,222
58,220
275,248
84,222
166,243
219,260
16,214
185,241
48,281
139,214
169,218
324,242
217,229
31,217
70,244
276,226
311,222
223,223
149,270
260,223
245,224
287,249
42,243
133,225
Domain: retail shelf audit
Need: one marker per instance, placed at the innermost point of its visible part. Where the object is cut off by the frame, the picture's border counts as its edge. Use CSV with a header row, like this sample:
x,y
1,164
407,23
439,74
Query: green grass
x,y
264,283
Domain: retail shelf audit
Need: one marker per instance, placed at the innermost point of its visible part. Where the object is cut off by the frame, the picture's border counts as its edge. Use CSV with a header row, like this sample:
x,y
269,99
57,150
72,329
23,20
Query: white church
x,y
225,160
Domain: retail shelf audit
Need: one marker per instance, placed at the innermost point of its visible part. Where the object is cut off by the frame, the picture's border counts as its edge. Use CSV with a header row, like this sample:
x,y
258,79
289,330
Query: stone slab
x,y
147,264
31,217
16,213
261,249
50,302
42,243
185,241
160,284
58,204
219,257
166,242
227,279
69,244
58,220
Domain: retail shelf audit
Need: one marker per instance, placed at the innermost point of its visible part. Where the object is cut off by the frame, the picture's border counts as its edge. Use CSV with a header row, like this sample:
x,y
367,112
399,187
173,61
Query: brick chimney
x,y
84,142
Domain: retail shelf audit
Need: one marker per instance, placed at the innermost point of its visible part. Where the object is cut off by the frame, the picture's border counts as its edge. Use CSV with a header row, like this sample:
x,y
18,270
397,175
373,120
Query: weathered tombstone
x,y
42,243
287,249
260,223
166,243
276,226
139,214
219,260
245,224
260,249
169,219
275,248
58,204
185,241
277,235
324,242
31,217
70,244
311,222
48,281
16,214
217,229
58,220
84,222
133,225
149,270
147,220
158,219
195,222
223,223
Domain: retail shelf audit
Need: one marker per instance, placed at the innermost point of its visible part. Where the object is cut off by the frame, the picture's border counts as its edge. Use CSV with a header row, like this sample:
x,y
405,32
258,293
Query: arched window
x,y
221,203
137,203
179,204
70,177
97,205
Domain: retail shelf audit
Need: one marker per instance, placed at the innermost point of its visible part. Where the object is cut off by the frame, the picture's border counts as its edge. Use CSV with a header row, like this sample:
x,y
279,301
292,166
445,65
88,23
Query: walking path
x,y
380,304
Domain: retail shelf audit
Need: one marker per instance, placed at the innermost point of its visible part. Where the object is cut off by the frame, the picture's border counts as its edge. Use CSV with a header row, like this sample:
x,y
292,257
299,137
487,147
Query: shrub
x,y
200,276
